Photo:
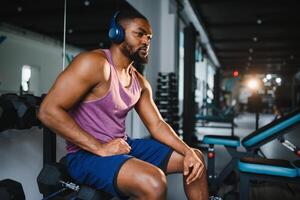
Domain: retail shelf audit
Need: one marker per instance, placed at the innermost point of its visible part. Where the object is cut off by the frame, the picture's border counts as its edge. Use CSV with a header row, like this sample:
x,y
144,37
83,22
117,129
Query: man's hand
x,y
115,147
193,166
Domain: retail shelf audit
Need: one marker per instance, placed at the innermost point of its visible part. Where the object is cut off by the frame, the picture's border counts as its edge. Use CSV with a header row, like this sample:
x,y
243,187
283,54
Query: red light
x,y
210,155
298,153
235,73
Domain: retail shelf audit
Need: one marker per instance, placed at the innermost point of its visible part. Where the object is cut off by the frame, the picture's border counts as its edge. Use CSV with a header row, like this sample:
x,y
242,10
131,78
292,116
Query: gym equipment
x,y
289,145
18,112
8,114
255,105
116,32
268,170
34,103
26,114
167,99
53,180
211,113
11,190
49,158
252,143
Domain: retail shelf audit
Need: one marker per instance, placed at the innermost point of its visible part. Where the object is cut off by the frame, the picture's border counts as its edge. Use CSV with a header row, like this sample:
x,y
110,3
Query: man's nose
x,y
146,40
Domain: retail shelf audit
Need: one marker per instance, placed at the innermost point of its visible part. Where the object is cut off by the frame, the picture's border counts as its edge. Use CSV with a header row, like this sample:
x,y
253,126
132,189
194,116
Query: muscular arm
x,y
84,73
154,122
160,130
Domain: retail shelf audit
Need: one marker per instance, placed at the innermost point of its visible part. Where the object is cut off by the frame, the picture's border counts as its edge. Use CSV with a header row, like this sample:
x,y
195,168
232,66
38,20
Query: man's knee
x,y
153,184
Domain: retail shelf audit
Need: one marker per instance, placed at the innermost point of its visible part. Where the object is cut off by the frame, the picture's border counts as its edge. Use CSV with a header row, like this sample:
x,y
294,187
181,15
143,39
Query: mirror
x,y
31,35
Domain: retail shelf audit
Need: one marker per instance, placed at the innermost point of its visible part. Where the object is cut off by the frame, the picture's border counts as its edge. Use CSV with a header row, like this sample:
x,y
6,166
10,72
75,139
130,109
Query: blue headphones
x,y
116,32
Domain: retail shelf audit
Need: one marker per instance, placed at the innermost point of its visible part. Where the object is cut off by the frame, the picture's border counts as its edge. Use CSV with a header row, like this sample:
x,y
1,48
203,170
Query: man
x,y
87,105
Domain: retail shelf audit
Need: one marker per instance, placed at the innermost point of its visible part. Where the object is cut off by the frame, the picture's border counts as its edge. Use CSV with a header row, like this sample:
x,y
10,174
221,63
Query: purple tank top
x,y
104,118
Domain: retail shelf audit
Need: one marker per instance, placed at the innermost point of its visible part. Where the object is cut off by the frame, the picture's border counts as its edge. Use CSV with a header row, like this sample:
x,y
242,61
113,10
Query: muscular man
x,y
88,104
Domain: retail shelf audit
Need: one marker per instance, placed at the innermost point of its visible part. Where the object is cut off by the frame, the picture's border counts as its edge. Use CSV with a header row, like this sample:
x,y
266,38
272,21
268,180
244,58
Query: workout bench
x,y
274,170
252,144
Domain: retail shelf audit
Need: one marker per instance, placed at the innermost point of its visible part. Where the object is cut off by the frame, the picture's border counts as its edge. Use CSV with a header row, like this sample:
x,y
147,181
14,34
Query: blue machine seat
x,y
271,130
274,167
232,141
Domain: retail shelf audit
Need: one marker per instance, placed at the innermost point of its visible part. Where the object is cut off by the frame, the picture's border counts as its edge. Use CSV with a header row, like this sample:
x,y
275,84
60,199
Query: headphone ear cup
x,y
112,33
120,34
116,32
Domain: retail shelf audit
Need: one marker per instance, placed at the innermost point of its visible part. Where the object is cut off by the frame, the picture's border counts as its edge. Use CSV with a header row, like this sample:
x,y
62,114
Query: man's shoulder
x,y
95,56
142,80
90,60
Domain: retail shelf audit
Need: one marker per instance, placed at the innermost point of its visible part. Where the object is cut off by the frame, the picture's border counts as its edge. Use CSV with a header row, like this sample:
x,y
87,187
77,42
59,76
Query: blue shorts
x,y
101,172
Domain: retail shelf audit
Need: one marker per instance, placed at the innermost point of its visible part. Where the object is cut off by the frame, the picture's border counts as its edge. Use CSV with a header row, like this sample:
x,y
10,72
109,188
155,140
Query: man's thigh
x,y
136,177
102,172
150,151
96,171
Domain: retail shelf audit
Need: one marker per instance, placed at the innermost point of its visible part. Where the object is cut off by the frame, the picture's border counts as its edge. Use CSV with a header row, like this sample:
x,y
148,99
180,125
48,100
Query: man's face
x,y
138,35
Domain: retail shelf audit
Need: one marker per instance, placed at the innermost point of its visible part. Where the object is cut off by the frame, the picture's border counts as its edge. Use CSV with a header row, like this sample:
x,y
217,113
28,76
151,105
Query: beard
x,y
135,55
139,58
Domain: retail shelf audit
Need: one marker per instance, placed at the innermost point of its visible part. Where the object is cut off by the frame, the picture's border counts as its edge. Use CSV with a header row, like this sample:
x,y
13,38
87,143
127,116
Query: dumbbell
x,y
8,114
53,180
167,82
26,114
164,74
34,102
168,90
167,98
164,85
11,190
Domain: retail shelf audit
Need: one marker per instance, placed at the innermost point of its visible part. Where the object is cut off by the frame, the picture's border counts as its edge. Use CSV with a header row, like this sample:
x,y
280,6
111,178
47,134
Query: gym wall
x,y
21,151
22,47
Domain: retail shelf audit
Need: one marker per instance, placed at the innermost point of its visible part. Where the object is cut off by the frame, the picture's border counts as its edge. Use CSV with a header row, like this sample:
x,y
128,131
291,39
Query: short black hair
x,y
129,15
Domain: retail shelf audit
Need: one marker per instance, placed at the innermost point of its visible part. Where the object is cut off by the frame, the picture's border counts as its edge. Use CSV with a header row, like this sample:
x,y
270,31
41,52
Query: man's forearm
x,y
61,123
165,134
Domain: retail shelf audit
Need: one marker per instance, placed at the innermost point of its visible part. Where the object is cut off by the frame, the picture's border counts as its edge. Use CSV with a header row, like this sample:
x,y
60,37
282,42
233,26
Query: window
x,y
26,74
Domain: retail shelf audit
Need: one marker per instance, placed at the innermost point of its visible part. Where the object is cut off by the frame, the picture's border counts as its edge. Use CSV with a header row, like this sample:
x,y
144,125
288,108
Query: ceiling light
x,y
253,84
70,30
269,76
255,39
259,21
250,50
249,58
19,9
86,2
292,57
278,80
